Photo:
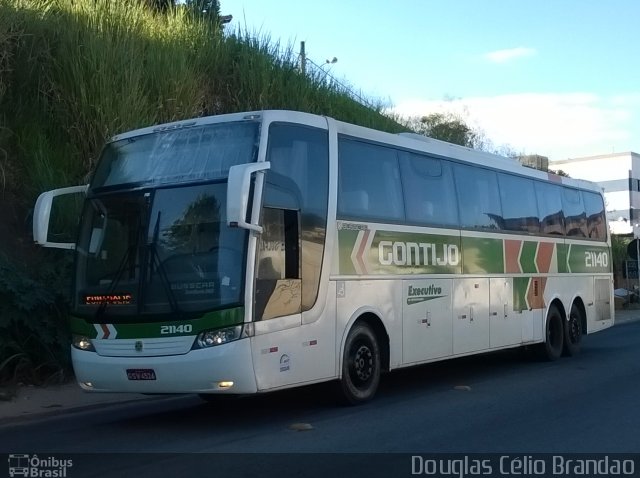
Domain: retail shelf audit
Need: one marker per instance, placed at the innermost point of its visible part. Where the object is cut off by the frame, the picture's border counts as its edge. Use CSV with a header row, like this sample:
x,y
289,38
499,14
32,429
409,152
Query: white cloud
x,y
503,56
559,126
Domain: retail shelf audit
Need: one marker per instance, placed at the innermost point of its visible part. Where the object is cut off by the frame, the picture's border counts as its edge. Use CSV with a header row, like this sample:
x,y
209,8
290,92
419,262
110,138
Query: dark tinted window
x,y
594,208
519,208
429,193
549,198
298,181
369,184
184,259
478,198
575,219
299,174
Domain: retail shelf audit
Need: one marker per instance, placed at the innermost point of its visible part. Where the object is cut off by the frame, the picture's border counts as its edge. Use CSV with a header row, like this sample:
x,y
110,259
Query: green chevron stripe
x,y
82,327
520,287
528,257
561,255
346,243
211,320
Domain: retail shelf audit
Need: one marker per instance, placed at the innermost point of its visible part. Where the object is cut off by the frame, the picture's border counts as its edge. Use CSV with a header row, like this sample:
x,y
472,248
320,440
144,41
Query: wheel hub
x,y
574,330
363,363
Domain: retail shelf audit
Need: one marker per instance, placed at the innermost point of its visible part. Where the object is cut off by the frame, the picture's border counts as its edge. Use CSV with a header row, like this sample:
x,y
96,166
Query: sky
x,y
560,78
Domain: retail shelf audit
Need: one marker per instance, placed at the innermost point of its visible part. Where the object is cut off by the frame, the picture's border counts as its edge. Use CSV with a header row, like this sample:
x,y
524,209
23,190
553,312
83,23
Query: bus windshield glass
x,y
168,251
153,236
195,153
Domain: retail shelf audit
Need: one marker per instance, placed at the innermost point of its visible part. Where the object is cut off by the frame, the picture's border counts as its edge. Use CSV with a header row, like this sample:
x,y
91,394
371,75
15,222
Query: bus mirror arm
x,y
238,191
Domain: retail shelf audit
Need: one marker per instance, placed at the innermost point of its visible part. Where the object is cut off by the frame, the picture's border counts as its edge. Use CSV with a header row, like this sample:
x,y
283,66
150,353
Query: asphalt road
x,y
503,402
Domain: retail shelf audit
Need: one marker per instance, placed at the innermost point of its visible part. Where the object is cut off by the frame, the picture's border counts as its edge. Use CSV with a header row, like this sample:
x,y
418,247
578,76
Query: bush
x,y
34,333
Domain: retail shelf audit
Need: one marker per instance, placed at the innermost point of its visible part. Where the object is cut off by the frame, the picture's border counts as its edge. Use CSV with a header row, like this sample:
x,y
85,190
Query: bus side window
x,y
369,185
278,283
521,215
550,208
596,220
478,198
429,194
574,212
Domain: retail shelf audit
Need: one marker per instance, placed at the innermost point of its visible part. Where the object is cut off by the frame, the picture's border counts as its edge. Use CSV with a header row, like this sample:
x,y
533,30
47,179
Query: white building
x,y
619,176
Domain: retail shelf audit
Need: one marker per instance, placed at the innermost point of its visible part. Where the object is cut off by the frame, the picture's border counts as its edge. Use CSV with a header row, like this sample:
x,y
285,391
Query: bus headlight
x,y
82,342
211,338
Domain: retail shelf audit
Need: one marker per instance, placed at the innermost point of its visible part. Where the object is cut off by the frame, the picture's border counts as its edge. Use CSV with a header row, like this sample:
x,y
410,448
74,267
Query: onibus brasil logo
x,y
421,294
36,467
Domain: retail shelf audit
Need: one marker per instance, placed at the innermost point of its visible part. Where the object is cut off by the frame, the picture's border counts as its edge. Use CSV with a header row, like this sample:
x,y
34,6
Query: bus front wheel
x,y
551,348
360,365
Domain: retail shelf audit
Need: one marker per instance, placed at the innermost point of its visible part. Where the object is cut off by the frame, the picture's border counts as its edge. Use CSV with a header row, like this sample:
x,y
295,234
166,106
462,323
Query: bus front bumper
x,y
226,368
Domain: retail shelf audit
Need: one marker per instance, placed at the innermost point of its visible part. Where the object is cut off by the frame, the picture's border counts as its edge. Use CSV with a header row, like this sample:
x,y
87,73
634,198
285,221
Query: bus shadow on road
x,y
324,400
479,374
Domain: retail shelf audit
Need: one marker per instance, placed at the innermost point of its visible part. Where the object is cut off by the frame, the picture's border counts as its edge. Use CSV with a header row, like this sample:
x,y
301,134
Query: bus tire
x,y
573,332
551,348
360,365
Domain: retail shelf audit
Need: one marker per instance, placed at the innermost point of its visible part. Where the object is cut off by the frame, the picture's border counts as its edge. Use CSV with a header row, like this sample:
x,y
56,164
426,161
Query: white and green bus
x,y
251,252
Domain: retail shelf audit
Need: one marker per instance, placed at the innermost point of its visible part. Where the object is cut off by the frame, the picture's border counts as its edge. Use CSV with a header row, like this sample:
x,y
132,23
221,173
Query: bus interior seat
x,y
355,201
422,211
428,210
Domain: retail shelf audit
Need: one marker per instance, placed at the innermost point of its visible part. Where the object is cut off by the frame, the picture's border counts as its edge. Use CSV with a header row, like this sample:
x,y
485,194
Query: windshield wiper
x,y
154,260
116,280
128,259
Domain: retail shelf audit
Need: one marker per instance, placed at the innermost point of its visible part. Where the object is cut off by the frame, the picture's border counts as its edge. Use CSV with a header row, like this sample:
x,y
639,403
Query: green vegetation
x,y
446,127
619,245
453,128
33,322
81,71
75,72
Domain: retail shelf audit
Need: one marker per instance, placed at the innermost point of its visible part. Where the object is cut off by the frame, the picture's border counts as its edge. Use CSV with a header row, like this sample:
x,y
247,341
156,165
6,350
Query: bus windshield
x,y
196,153
153,236
168,251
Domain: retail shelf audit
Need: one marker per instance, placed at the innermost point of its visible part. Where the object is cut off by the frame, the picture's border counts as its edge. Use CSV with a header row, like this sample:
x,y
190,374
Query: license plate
x,y
141,374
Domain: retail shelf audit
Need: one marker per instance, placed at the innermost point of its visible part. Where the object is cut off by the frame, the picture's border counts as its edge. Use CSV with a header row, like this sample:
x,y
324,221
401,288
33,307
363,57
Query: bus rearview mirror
x,y
42,216
238,192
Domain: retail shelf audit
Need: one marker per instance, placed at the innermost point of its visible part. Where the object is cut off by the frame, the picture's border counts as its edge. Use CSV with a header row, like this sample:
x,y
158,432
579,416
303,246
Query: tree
x,y
207,8
188,232
619,255
452,128
446,127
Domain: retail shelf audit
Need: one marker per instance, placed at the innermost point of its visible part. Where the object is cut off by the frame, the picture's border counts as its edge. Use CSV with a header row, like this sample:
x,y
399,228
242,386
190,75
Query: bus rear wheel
x,y
551,348
360,365
573,332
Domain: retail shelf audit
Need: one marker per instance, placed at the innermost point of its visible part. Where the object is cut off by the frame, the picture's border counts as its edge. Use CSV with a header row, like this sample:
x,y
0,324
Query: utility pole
x,y
303,59
633,251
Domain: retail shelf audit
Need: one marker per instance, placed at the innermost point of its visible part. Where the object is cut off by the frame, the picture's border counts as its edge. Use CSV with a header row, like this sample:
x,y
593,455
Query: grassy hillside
x,y
75,72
